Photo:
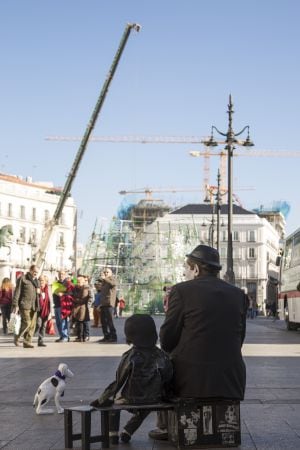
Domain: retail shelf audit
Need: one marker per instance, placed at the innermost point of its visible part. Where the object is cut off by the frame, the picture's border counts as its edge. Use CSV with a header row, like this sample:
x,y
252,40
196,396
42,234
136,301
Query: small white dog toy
x,y
52,387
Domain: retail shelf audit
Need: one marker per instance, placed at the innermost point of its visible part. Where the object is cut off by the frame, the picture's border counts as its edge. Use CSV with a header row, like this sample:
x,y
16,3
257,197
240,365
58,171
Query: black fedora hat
x,y
206,255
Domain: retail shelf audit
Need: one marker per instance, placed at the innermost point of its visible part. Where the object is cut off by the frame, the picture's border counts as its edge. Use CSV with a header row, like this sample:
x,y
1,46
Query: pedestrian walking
x,y
66,309
43,312
272,296
6,293
82,299
108,299
116,308
26,301
251,313
122,306
167,290
96,304
58,289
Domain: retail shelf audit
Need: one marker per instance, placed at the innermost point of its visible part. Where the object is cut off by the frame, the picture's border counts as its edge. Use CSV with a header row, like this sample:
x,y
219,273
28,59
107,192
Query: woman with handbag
x,y
44,310
5,302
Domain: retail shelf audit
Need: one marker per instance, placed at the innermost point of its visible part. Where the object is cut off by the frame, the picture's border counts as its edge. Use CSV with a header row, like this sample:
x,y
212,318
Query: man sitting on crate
x,y
141,378
203,332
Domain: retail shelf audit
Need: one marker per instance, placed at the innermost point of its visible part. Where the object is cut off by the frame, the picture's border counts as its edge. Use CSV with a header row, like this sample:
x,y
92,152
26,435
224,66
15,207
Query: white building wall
x,y
27,207
254,250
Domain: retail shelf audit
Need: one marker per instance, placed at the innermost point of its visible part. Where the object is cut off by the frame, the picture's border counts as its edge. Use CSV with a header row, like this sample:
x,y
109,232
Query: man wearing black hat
x,y
203,331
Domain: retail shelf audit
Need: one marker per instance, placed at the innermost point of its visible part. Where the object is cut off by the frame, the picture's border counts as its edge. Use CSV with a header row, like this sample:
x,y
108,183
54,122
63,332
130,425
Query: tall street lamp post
x,y
230,141
218,202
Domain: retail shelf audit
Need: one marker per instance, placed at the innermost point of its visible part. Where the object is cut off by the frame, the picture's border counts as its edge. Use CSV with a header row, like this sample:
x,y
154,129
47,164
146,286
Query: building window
x,y
236,253
22,234
251,252
223,253
60,240
251,236
33,214
22,212
252,273
62,219
47,215
224,236
236,236
10,210
33,237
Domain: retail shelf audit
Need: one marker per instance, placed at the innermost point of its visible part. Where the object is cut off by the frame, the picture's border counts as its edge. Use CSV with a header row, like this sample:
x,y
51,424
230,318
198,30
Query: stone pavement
x,y
270,414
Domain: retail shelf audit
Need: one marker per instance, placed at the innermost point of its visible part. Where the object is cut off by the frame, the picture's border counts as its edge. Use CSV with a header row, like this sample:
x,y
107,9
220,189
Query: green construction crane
x,y
41,253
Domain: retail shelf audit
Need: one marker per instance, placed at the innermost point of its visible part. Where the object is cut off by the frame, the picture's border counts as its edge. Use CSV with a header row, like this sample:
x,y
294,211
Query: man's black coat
x,y
204,330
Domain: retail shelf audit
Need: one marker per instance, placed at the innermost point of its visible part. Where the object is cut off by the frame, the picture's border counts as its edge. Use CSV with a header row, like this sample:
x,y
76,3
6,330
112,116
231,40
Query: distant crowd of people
x,y
69,299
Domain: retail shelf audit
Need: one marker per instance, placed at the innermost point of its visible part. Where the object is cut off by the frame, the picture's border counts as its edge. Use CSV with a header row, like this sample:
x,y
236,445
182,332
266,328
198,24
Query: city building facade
x,y
256,242
26,207
147,258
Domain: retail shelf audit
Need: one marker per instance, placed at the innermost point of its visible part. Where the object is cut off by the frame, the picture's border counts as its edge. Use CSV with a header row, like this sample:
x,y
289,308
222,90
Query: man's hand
x,y
15,310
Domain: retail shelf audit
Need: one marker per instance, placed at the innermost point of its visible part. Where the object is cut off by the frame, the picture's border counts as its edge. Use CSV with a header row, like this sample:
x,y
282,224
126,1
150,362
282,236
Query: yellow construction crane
x,y
210,191
149,191
206,154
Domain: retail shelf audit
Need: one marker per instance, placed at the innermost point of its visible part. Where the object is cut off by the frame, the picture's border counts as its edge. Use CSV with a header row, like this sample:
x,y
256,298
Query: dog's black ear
x,y
54,381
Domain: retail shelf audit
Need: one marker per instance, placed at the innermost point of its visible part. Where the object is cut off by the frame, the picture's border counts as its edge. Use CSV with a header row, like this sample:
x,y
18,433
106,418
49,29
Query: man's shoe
x,y
58,340
16,340
103,340
125,437
114,440
158,434
28,346
41,344
113,339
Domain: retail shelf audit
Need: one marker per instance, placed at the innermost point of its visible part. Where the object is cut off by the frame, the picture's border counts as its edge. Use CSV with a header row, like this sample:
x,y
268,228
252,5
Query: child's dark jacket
x,y
141,377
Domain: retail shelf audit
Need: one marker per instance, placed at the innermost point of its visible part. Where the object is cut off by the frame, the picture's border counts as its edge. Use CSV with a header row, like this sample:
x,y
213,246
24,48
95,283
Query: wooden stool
x,y
85,435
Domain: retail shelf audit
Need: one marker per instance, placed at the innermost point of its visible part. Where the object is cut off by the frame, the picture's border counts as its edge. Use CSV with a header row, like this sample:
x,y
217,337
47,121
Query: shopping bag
x,y
50,327
14,323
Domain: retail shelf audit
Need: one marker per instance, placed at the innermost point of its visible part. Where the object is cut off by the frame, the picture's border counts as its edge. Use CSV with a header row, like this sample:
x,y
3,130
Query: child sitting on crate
x,y
141,377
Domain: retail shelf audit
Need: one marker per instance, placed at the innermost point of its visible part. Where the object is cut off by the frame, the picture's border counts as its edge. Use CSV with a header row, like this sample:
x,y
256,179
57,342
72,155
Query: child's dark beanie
x,y
140,330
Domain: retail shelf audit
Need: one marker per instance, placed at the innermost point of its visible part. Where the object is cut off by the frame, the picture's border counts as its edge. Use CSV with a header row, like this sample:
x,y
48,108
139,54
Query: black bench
x,y
86,411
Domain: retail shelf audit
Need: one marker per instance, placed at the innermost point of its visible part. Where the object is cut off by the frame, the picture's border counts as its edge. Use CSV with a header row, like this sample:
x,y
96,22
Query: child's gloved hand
x,y
97,404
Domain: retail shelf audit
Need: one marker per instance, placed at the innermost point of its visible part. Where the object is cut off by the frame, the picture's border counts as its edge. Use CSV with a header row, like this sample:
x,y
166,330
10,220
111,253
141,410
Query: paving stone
x,y
270,415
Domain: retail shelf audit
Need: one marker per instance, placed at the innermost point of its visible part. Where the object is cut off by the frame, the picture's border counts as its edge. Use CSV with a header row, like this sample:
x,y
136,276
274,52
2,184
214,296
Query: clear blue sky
x,y
174,79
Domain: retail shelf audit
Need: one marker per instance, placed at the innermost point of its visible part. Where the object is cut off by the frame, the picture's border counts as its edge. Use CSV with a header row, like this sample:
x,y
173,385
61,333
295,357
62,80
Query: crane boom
x,y
134,139
41,253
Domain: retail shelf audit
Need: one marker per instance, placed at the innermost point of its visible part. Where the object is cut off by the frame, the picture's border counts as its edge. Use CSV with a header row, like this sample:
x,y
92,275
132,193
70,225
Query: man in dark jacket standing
x,y
25,300
203,331
108,300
